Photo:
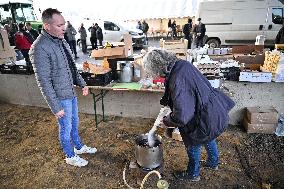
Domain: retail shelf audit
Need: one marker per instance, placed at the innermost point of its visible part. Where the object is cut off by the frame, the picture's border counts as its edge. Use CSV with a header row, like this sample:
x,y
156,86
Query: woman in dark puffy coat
x,y
198,110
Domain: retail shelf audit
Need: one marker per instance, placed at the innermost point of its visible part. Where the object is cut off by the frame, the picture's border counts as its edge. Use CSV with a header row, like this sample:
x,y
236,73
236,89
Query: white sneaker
x,y
76,161
85,149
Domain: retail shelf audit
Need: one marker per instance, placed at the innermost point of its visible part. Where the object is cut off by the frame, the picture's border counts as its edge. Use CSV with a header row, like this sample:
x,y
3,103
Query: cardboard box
x,y
262,77
250,59
247,49
116,52
267,128
258,114
4,45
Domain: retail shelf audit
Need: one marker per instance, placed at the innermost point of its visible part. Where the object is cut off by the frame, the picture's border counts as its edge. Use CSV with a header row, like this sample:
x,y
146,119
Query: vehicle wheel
x,y
213,43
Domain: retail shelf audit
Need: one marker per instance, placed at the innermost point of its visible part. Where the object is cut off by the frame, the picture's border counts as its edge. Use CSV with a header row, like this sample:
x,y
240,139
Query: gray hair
x,y
156,61
47,15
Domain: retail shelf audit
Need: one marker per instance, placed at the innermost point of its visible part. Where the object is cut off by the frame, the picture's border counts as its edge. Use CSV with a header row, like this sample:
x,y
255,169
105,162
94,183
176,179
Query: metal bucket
x,y
146,157
125,71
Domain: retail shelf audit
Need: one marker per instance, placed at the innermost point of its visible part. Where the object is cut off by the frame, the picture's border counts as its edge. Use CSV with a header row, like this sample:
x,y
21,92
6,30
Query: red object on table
x,y
161,80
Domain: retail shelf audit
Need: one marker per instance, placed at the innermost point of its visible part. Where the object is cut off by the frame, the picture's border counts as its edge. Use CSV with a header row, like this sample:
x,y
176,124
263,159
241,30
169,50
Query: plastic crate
x,y
96,80
7,69
23,69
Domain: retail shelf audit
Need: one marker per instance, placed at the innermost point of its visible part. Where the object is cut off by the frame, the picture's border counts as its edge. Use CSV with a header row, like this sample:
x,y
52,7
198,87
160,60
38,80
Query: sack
x,y
170,29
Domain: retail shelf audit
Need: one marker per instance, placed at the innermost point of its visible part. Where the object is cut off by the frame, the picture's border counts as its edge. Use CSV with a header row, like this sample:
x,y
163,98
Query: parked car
x,y
113,32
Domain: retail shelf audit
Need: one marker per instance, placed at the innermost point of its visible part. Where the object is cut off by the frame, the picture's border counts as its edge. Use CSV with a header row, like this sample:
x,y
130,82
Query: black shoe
x,y
183,175
205,165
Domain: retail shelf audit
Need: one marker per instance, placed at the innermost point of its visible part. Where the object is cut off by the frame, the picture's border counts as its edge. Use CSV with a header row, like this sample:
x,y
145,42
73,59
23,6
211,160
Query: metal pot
x,y
147,157
125,73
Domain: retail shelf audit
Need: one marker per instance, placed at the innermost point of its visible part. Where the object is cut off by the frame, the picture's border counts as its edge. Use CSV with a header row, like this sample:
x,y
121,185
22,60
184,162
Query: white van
x,y
113,32
231,22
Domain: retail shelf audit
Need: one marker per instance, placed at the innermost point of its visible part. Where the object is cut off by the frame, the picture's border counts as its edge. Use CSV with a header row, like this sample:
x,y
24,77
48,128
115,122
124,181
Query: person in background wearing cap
x,y
199,111
199,31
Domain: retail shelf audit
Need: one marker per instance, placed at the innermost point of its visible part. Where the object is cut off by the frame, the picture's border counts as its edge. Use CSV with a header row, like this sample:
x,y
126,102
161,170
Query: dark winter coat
x,y
99,33
33,33
198,110
200,28
187,29
280,36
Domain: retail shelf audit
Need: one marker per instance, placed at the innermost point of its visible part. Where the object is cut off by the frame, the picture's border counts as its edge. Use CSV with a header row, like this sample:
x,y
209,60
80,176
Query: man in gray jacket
x,y
56,75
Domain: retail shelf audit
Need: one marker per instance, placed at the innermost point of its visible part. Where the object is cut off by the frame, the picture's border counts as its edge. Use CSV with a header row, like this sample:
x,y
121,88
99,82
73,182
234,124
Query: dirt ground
x,y
31,156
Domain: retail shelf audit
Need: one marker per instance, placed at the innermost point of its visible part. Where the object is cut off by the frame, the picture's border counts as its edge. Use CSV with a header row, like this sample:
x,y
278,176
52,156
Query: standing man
x,y
83,37
56,75
32,31
200,33
24,41
93,37
99,34
71,33
139,25
174,29
280,36
145,28
187,32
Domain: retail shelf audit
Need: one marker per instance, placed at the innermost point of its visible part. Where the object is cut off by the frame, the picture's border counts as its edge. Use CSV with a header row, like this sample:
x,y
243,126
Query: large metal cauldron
x,y
146,157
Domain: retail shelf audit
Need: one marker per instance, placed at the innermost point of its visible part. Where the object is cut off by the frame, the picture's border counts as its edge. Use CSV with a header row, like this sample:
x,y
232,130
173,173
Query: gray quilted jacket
x,y
52,71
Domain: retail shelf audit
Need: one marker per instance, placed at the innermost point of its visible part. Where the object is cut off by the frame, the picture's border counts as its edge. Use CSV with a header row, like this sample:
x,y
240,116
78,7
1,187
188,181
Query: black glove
x,y
168,121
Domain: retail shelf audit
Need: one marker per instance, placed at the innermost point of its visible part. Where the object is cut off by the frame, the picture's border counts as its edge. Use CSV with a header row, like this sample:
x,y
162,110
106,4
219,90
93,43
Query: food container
x,y
125,73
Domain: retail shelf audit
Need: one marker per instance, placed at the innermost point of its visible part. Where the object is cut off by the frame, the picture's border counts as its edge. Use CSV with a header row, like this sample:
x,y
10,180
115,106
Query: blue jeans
x,y
68,127
194,153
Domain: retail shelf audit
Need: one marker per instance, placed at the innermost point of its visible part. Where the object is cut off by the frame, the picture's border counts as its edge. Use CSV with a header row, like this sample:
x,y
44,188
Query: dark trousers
x,y
146,39
101,42
84,45
199,42
72,45
25,53
189,39
94,43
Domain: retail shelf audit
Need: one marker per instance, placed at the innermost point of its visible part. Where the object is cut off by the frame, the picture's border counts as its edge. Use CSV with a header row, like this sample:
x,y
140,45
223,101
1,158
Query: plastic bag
x,y
280,127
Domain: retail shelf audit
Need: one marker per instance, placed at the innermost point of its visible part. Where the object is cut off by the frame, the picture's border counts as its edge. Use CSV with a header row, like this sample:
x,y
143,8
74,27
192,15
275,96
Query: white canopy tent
x,y
122,9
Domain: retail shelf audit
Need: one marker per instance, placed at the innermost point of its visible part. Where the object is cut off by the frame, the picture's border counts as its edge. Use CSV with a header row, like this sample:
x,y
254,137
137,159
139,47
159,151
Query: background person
x,y
56,75
93,37
32,31
145,28
71,33
187,32
174,29
23,41
199,30
198,110
83,37
170,30
280,36
99,34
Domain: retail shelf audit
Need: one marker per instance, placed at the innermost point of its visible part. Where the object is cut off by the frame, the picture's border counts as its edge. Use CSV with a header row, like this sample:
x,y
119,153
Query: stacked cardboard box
x,y
260,120
6,51
122,50
251,55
